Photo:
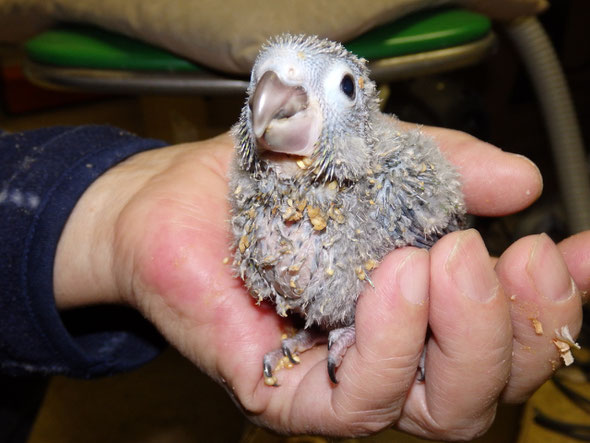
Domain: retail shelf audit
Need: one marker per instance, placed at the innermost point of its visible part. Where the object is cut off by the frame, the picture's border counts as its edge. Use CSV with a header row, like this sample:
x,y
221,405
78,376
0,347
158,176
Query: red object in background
x,y
19,95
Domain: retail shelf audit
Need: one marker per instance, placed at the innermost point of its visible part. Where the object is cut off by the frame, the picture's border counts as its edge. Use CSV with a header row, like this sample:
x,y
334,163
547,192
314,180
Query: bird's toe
x,y
339,340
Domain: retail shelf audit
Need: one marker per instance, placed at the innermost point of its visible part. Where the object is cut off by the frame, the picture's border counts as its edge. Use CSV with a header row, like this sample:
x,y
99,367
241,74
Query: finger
x,y
391,323
576,253
494,182
377,370
468,354
544,298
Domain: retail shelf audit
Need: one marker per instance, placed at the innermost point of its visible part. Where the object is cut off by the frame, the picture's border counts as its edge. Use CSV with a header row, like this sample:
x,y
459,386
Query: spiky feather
x,y
309,242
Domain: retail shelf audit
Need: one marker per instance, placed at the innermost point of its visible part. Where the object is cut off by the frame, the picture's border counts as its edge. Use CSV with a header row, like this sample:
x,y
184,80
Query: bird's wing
x,y
419,191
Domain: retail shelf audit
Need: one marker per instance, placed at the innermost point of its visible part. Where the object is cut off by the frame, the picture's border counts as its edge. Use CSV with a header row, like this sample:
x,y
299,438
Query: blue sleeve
x,y
43,173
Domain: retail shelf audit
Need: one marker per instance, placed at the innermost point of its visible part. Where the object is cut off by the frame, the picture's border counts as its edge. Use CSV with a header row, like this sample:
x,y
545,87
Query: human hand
x,y
160,235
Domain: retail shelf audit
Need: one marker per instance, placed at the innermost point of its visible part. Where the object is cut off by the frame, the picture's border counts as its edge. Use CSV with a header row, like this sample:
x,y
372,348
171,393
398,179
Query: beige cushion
x,y
226,35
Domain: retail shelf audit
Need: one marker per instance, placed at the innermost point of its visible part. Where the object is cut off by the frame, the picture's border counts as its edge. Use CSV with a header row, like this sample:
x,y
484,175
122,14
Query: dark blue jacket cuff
x,y
43,173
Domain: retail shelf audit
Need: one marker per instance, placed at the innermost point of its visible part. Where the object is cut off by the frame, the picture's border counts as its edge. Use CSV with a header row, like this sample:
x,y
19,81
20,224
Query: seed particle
x,y
538,326
370,264
336,215
292,215
270,381
244,243
316,218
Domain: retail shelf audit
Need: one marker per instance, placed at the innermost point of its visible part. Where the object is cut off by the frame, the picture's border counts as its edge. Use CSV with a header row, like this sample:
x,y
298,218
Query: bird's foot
x,y
339,340
287,355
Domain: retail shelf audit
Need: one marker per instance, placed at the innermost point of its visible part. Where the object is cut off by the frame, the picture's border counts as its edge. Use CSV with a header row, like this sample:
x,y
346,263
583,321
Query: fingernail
x,y
532,163
412,276
470,268
548,271
538,174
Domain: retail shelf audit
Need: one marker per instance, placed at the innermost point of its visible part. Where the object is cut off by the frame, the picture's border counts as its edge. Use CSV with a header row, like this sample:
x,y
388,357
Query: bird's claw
x,y
267,369
268,363
332,371
339,340
288,353
421,366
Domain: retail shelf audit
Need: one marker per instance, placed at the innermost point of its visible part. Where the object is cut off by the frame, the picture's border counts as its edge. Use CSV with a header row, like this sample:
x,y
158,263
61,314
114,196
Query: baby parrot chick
x,y
323,186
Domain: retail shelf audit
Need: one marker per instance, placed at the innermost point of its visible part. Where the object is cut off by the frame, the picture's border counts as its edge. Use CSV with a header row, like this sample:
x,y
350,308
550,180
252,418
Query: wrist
x,y
87,267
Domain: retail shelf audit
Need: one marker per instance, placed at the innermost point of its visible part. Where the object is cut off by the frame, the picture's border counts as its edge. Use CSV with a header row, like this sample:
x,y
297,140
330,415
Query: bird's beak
x,y
282,118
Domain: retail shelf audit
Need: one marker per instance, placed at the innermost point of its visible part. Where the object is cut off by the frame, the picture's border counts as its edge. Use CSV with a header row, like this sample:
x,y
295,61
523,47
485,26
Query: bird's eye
x,y
347,86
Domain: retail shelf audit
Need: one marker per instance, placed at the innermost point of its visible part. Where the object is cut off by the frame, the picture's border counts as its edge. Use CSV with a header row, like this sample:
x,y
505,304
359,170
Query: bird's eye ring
x,y
347,86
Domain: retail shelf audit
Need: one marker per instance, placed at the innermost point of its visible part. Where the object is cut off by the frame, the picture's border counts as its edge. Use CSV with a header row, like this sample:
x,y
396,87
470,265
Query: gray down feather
x,y
309,230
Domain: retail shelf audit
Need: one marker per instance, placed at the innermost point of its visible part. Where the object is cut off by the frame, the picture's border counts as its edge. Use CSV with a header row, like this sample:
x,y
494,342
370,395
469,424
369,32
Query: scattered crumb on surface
x,y
564,341
225,260
538,326
270,381
564,351
284,363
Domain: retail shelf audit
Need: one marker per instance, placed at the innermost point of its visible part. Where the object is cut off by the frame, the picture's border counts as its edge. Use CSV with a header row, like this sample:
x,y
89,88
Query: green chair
x,y
90,59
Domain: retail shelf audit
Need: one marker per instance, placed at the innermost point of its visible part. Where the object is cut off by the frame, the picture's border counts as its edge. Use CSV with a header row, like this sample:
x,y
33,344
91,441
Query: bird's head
x,y
309,103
